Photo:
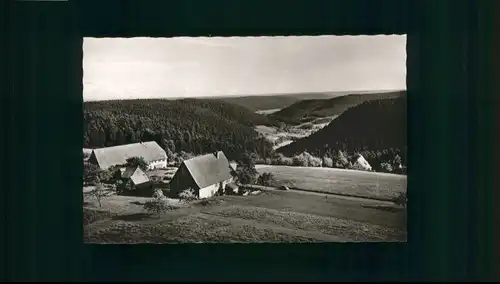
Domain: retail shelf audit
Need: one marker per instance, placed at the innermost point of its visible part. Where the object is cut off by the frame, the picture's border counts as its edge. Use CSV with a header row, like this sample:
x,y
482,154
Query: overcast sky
x,y
123,68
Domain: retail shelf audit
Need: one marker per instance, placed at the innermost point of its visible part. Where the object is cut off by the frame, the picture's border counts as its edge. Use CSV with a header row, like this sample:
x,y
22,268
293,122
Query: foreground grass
x,y
271,217
352,230
355,183
190,229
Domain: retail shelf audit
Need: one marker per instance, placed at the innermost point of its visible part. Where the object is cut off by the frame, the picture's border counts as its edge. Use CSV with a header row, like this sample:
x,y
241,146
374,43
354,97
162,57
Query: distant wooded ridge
x,y
374,121
256,102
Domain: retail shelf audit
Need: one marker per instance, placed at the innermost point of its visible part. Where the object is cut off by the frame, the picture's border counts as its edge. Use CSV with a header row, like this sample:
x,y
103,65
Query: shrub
x,y
281,160
314,162
106,175
306,160
90,173
187,195
265,179
287,161
386,167
157,205
327,162
137,162
340,160
99,192
300,160
246,172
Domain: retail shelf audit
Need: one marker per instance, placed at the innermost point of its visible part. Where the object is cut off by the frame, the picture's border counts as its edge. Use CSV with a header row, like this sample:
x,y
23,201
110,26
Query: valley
x,y
328,199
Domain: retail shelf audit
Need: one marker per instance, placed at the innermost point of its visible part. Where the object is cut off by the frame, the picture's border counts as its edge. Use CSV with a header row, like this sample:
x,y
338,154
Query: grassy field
x,y
328,180
267,217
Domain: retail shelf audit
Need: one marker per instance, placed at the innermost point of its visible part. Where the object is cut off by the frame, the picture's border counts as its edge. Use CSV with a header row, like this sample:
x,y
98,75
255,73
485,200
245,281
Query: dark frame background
x,y
450,119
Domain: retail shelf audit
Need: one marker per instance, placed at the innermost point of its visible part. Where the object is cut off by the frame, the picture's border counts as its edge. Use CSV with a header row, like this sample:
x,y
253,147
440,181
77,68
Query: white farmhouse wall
x,y
209,191
158,164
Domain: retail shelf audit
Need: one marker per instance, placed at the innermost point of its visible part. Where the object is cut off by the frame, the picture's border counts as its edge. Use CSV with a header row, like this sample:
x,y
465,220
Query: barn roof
x,y
209,169
135,174
139,177
233,165
118,155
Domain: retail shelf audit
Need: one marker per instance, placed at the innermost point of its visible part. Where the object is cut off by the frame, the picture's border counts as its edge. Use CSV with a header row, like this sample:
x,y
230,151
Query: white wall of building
x,y
210,191
158,164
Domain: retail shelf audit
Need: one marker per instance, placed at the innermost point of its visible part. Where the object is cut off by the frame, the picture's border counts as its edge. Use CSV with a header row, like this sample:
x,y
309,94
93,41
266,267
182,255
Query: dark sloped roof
x,y
128,172
118,155
209,169
135,174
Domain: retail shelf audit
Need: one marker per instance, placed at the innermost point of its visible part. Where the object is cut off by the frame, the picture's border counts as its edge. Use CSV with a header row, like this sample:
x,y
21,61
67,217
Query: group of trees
x,y
189,125
389,160
376,129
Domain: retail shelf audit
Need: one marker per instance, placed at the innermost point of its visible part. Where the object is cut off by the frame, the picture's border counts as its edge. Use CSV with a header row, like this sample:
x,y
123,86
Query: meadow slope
x,y
268,217
338,181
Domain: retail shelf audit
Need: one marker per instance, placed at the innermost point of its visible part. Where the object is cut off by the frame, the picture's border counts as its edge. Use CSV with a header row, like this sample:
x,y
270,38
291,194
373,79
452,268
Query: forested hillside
x,y
276,101
371,127
190,125
307,110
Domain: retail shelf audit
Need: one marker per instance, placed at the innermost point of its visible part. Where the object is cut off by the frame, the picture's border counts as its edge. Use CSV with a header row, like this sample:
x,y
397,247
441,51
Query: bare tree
x,y
99,192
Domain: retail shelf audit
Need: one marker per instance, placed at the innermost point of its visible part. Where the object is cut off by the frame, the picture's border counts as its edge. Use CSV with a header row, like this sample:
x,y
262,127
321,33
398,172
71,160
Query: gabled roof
x,y
118,155
135,174
233,165
139,177
209,169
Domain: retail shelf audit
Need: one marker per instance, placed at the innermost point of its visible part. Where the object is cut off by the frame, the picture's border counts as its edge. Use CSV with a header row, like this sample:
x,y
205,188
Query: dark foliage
x,y
191,125
90,173
137,162
310,110
246,172
375,129
266,179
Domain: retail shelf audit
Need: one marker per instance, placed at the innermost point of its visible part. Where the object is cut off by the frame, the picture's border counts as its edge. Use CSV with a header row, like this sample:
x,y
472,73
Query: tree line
x,y
189,125
375,129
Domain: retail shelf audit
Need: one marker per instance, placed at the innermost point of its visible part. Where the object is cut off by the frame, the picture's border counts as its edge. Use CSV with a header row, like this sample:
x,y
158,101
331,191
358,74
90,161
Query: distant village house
x,y
206,175
359,161
108,157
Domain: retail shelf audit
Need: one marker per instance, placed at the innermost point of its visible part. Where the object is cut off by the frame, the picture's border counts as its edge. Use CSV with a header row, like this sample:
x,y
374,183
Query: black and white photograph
x,y
272,139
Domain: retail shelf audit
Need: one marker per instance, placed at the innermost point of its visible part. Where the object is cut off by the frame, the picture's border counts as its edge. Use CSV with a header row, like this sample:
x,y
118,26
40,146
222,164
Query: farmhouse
x,y
152,153
206,175
134,177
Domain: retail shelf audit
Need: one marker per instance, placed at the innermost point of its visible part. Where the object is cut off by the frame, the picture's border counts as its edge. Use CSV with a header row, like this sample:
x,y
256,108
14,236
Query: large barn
x,y
152,153
206,175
